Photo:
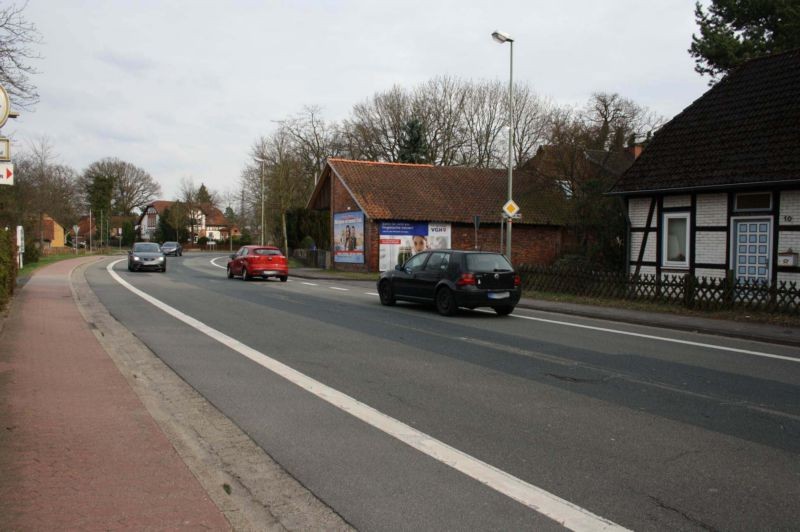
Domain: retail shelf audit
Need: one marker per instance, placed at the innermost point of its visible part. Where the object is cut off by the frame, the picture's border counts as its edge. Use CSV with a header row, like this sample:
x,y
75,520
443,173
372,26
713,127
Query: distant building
x,y
210,222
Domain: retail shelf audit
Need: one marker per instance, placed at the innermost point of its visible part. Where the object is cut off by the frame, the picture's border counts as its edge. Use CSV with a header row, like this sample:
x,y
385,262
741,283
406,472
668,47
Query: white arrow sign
x,y
6,173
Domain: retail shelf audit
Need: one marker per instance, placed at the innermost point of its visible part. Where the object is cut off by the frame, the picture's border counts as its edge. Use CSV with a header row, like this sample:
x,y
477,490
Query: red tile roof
x,y
398,191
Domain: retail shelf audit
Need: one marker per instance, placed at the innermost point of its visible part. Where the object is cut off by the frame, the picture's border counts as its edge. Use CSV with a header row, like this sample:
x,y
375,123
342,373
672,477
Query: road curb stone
x,y
262,496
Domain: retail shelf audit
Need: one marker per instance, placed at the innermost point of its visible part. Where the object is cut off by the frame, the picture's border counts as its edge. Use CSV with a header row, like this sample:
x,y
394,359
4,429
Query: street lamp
x,y
262,161
502,38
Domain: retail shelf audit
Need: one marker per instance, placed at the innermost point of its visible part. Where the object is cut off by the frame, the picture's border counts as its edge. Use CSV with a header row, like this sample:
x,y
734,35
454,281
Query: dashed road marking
x,y
309,284
337,288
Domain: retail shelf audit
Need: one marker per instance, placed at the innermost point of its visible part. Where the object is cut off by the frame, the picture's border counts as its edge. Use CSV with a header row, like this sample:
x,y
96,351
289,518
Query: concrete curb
x,y
251,490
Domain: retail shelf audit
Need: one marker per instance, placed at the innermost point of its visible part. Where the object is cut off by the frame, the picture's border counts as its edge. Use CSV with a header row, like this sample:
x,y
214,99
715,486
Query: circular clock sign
x,y
5,106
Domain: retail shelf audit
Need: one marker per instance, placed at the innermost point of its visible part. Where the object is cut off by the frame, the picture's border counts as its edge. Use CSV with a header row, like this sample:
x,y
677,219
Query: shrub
x,y
8,266
202,242
32,252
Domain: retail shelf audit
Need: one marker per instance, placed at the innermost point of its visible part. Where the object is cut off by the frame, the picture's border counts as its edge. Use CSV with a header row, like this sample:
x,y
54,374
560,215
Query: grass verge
x,y
29,268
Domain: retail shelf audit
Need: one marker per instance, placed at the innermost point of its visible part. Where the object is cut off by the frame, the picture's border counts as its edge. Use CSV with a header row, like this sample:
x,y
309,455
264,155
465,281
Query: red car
x,y
258,261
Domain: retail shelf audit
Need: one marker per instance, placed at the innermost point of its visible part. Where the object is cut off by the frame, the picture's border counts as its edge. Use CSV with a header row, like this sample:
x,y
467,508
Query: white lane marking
x,y
217,265
372,293
562,511
337,288
309,284
653,337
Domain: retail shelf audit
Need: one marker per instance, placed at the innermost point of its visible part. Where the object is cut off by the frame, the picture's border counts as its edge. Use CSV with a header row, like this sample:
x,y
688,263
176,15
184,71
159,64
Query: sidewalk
x,y
735,329
78,450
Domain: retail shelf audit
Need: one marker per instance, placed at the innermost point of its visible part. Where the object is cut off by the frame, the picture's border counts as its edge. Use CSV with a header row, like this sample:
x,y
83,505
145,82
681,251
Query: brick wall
x,y
530,244
712,209
790,206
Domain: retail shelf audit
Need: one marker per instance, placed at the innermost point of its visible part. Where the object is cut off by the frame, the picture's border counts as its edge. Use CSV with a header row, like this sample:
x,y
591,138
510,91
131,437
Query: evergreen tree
x,y
734,31
413,146
203,197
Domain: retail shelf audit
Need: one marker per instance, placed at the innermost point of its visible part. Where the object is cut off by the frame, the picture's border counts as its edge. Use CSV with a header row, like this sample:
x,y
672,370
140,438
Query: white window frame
x,y
665,240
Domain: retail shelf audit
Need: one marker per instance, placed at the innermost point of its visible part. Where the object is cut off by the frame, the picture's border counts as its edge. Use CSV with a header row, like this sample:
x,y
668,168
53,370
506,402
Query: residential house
x,y
209,222
381,213
718,188
52,235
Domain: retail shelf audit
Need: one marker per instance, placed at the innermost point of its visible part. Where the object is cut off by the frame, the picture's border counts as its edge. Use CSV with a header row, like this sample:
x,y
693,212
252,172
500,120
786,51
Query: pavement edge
x,y
249,488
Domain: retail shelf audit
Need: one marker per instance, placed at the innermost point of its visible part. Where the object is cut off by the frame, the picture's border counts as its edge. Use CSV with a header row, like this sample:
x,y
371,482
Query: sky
x,y
183,89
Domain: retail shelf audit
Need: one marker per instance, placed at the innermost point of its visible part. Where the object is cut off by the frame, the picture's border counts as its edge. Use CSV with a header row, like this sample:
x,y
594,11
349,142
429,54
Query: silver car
x,y
146,256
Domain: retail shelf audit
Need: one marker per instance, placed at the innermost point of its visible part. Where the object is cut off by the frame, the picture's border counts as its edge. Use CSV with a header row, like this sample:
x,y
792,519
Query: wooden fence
x,y
706,293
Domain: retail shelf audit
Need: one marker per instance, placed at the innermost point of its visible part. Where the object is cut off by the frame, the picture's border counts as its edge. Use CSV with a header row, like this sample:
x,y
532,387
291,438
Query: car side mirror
x,y
233,256
398,267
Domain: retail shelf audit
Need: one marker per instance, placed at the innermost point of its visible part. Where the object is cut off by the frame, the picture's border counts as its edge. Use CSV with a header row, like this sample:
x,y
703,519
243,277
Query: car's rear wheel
x,y
386,293
283,278
505,310
230,273
245,275
445,302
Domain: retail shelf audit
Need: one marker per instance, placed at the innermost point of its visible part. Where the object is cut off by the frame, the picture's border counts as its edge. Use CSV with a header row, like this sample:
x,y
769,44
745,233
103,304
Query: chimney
x,y
635,150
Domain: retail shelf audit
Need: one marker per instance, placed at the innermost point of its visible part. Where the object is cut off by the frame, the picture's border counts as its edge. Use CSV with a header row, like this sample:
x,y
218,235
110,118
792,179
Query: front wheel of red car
x,y
284,278
445,302
504,310
230,273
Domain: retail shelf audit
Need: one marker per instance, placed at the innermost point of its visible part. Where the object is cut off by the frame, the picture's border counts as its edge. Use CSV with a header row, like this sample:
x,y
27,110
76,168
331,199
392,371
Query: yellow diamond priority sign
x,y
511,208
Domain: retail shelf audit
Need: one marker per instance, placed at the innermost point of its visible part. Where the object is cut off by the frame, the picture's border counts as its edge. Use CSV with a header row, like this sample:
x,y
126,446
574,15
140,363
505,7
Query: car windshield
x,y
145,247
266,252
487,262
169,245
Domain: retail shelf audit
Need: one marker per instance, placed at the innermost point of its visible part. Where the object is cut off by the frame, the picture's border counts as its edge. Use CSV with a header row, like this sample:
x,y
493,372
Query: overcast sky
x,y
183,89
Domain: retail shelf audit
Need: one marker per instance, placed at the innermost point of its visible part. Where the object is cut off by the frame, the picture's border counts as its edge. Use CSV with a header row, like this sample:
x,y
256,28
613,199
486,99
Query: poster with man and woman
x,y
348,237
400,241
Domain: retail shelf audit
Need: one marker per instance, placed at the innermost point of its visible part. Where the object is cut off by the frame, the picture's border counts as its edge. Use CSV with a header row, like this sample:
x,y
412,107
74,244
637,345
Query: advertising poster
x,y
348,237
401,240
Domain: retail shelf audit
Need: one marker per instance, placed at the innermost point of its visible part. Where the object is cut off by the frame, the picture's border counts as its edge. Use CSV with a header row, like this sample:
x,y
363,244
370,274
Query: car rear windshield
x,y
487,262
147,248
266,252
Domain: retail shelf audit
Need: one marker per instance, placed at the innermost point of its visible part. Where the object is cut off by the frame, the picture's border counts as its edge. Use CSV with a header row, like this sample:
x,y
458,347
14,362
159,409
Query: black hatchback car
x,y
451,279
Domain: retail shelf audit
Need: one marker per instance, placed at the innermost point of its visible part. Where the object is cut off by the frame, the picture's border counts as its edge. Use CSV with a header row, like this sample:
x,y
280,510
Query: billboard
x,y
348,237
401,240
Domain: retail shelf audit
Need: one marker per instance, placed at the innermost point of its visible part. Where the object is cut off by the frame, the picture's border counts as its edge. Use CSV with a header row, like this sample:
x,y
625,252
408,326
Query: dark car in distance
x,y
172,248
451,279
258,261
146,256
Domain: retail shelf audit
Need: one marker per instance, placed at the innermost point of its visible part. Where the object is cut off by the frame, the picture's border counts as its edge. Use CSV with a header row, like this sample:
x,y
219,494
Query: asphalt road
x,y
644,432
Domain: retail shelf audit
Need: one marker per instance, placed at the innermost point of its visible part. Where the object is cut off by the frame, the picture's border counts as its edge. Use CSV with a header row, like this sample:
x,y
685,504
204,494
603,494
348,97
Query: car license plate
x,y
498,295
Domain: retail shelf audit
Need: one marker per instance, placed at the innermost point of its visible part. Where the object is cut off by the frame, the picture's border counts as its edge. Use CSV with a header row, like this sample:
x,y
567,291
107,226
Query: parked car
x,y
450,279
172,248
258,261
146,256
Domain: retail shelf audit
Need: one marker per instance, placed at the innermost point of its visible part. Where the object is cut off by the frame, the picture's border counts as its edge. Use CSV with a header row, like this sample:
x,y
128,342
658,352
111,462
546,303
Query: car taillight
x,y
466,279
517,280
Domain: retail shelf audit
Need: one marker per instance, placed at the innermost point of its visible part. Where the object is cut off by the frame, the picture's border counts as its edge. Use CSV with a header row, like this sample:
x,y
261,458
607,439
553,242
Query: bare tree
x,y
439,106
17,38
131,186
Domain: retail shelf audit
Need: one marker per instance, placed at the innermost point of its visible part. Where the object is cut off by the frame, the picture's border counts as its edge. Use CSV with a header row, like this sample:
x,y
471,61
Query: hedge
x,y
8,266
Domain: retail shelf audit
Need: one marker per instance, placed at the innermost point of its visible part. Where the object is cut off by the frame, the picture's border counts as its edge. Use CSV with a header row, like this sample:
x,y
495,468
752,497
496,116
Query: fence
x,y
706,293
313,258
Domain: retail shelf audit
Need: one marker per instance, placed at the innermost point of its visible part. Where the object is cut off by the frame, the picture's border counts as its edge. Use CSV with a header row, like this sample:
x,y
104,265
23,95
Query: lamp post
x,y
502,38
262,161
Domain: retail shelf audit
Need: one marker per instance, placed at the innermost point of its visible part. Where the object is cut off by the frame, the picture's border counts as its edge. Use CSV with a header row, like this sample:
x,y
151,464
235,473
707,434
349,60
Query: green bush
x,y
8,266
202,242
32,252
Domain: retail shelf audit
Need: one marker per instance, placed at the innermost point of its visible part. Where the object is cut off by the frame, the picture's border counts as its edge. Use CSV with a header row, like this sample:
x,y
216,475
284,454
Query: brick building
x,y
718,188
381,213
